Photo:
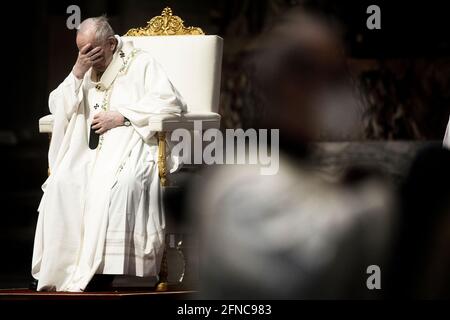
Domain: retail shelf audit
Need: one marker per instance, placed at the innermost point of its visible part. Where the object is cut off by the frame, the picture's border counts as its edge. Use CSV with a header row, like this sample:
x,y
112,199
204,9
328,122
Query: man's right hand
x,y
86,58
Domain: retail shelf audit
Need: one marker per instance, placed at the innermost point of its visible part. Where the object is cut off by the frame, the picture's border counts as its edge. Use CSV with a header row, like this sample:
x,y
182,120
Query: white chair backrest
x,y
192,63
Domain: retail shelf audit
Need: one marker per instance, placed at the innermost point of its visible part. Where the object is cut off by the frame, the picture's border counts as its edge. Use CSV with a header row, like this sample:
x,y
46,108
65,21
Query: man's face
x,y
107,48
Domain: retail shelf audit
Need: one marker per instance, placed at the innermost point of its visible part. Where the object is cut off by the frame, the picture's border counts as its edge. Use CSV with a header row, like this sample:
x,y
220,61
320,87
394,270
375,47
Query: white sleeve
x,y
63,104
66,96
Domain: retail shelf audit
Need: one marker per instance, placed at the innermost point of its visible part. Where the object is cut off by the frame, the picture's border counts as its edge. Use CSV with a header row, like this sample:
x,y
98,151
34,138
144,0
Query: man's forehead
x,y
84,38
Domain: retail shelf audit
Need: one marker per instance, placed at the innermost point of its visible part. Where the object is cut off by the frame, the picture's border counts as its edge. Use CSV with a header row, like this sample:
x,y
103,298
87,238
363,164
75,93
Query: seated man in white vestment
x,y
100,212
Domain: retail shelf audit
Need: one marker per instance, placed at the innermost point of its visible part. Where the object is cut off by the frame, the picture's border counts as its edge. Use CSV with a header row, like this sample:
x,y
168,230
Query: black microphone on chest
x,y
94,137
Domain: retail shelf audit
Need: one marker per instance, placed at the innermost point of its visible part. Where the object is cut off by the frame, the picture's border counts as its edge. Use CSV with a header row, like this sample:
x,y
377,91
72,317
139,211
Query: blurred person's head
x,y
298,71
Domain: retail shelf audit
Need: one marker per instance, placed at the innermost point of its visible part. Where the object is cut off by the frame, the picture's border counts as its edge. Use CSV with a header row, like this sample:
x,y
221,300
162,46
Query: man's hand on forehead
x,y
87,57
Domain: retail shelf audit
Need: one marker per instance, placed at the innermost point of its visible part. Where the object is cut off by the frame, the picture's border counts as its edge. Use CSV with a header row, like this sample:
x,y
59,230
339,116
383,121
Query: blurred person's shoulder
x,y
295,191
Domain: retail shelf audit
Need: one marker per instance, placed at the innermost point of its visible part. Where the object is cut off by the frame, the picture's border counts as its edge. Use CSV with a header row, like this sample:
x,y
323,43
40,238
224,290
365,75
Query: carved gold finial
x,y
165,25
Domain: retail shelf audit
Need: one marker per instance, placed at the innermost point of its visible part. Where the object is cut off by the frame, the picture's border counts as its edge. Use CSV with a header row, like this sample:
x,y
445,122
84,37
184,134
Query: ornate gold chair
x,y
192,61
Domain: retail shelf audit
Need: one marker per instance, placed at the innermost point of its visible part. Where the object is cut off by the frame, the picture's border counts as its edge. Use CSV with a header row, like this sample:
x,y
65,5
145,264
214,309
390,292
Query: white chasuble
x,y
447,136
101,209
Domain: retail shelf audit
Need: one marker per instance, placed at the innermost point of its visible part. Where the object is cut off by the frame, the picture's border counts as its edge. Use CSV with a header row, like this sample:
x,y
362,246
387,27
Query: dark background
x,y
408,59
39,50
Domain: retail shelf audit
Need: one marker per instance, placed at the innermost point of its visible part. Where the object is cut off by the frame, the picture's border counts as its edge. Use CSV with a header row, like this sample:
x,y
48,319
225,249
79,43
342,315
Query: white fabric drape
x,y
446,142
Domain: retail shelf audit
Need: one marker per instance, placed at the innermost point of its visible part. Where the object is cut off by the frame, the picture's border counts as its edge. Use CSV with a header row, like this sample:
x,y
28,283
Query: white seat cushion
x,y
46,124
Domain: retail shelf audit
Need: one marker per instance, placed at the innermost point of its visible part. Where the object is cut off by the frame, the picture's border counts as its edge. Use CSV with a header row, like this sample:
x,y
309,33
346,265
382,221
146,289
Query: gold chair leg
x,y
163,284
162,165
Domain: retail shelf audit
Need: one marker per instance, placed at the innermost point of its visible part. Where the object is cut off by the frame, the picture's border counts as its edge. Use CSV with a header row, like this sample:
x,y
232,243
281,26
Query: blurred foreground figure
x,y
101,212
421,259
290,236
297,234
